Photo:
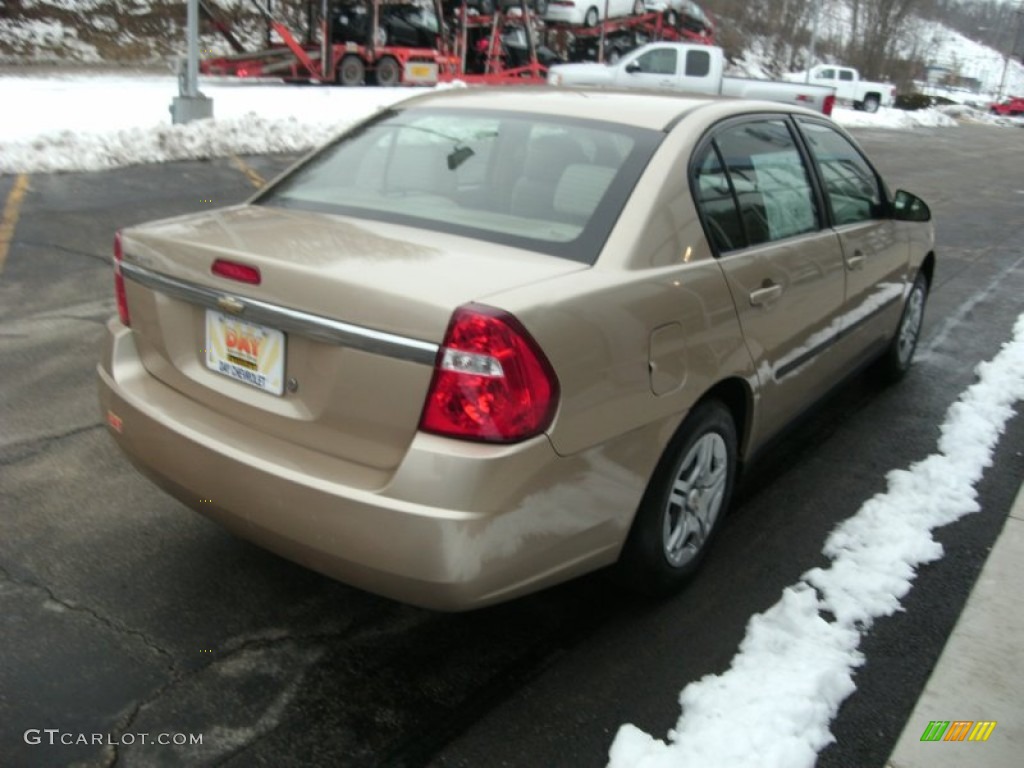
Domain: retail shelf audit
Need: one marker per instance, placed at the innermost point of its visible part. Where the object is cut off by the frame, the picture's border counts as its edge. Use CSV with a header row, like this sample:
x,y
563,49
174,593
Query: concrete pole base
x,y
185,109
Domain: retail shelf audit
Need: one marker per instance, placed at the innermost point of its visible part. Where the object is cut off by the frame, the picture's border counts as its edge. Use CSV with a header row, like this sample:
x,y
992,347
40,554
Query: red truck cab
x,y
1012,107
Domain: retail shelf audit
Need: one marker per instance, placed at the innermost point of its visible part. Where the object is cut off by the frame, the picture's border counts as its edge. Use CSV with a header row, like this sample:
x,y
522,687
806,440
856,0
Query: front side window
x,y
660,61
550,184
851,185
847,75
767,179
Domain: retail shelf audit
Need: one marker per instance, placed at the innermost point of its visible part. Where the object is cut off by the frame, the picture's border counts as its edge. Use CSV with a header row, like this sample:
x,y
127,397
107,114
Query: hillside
x,y
109,31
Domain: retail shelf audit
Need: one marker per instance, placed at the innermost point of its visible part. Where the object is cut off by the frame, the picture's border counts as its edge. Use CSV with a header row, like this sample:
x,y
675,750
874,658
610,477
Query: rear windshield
x,y
549,184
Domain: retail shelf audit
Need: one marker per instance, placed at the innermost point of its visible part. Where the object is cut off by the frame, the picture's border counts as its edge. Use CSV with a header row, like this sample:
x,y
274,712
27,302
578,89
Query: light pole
x,y
1011,49
190,104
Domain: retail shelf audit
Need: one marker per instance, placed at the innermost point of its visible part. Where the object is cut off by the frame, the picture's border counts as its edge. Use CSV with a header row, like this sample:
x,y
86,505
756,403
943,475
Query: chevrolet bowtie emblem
x,y
231,304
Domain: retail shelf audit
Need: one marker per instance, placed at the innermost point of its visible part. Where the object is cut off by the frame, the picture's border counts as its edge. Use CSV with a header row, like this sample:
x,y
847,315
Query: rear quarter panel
x,y
655,289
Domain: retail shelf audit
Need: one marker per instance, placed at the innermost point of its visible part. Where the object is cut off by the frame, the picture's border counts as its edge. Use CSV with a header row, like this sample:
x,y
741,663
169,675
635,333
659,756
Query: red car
x,y
1013,107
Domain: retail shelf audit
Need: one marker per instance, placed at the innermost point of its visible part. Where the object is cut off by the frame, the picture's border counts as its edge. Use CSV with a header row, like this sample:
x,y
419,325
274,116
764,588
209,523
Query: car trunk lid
x,y
333,348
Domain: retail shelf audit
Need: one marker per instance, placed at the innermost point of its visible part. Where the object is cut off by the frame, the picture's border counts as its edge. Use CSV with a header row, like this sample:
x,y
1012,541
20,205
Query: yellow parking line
x,y
12,209
254,178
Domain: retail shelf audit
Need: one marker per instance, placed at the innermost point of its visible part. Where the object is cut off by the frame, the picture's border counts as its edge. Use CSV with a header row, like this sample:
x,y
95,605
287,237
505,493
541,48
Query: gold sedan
x,y
489,340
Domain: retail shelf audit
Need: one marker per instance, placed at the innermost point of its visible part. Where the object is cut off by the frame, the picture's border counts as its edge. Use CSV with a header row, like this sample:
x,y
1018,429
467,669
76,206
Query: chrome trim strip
x,y
291,320
788,368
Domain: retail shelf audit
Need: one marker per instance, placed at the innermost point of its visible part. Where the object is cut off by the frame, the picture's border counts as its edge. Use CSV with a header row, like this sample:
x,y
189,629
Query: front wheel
x,y
684,503
639,9
591,17
351,71
896,360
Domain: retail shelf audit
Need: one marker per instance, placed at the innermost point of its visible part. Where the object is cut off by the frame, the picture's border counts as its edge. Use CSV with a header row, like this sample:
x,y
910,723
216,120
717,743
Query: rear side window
x,y
752,186
851,185
716,202
698,63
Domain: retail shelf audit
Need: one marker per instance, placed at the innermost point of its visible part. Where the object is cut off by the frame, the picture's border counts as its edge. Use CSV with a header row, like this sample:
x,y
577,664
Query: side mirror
x,y
908,207
633,68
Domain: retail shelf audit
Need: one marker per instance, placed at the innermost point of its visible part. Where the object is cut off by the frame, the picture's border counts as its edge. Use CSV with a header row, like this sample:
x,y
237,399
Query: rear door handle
x,y
765,295
856,261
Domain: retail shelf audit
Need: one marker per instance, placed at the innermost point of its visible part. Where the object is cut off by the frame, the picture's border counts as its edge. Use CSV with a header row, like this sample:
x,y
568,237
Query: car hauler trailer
x,y
362,42
327,54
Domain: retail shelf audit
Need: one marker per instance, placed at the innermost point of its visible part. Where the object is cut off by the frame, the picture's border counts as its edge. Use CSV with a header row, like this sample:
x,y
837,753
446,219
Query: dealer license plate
x,y
247,352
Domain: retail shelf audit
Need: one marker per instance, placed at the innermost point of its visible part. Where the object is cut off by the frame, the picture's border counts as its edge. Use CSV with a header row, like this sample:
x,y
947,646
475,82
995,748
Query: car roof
x,y
656,110
644,109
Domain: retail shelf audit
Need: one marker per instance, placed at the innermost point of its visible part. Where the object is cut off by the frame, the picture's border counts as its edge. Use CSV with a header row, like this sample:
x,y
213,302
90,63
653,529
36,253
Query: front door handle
x,y
856,261
770,292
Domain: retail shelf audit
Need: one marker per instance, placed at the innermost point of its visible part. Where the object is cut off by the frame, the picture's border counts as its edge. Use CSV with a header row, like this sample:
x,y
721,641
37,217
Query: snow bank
x,y
773,706
93,122
887,117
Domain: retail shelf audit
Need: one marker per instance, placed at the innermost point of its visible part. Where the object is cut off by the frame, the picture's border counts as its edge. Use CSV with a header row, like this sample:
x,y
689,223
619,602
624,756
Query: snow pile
x,y
887,117
92,122
965,114
251,134
795,666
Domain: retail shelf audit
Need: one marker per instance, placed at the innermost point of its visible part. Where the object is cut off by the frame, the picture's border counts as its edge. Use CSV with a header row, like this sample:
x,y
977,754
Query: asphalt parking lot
x,y
125,613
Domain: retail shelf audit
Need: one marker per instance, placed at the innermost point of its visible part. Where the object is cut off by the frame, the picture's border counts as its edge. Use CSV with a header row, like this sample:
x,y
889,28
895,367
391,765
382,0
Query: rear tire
x,y
871,104
591,17
639,9
899,356
389,74
351,71
684,504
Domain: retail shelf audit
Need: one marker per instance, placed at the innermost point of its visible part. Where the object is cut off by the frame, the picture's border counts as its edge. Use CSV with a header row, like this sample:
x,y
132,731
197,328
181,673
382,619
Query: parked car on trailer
x,y
685,13
589,13
488,7
487,340
406,24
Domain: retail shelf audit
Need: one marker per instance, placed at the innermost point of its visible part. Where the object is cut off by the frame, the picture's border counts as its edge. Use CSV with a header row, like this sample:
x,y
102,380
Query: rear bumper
x,y
456,526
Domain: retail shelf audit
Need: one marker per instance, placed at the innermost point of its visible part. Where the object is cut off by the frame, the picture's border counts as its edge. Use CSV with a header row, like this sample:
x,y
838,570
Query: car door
x,y
783,264
876,248
656,67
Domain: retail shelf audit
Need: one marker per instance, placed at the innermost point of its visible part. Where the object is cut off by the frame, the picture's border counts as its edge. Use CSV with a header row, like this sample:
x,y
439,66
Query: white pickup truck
x,y
862,94
689,68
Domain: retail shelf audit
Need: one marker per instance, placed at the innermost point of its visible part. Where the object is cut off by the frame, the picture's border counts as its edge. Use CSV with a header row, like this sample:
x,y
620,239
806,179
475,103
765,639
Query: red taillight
x,y
232,270
830,103
119,291
491,380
